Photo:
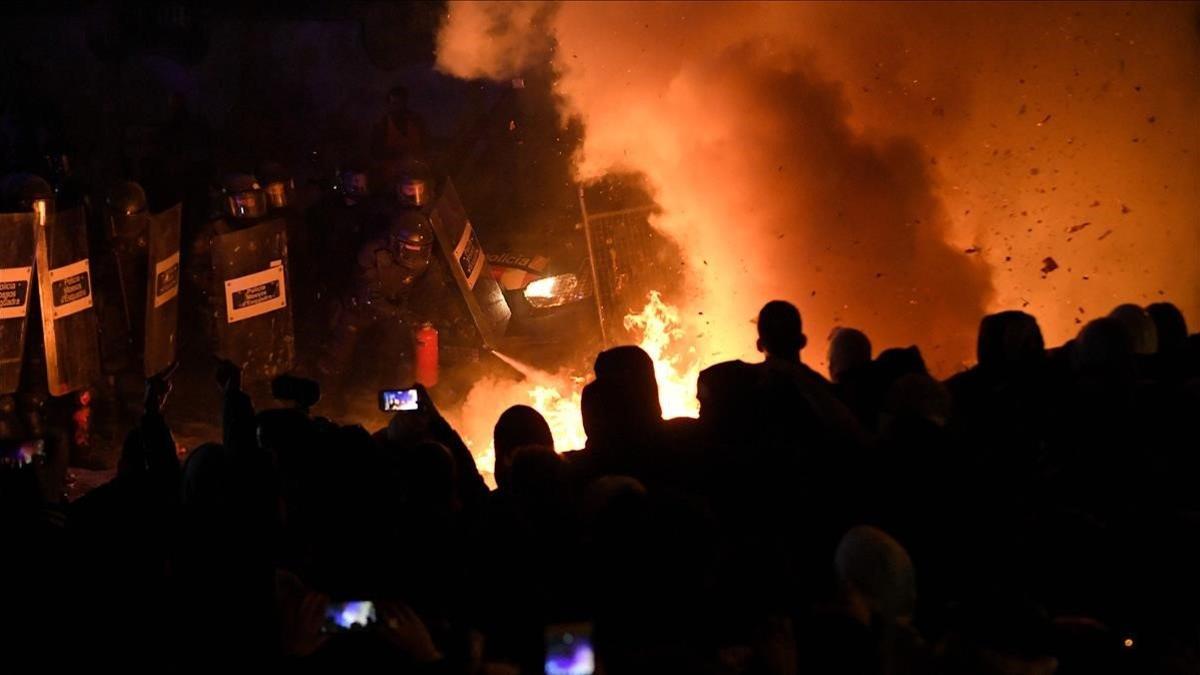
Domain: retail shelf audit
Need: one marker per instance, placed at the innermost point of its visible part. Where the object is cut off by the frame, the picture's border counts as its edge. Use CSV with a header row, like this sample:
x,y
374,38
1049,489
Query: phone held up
x,y
399,400
569,649
16,454
351,615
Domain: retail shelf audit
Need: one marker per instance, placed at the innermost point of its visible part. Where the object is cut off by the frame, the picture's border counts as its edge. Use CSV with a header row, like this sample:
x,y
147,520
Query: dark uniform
x,y
335,226
241,277
395,256
304,254
119,265
241,204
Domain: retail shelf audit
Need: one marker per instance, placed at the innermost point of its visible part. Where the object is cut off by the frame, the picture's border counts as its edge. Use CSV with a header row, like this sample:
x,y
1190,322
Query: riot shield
x,y
161,282
16,279
65,291
255,314
120,276
468,265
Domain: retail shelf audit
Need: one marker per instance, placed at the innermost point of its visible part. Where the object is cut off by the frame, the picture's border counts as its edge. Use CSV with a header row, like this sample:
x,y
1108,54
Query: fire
x,y
900,181
658,330
661,337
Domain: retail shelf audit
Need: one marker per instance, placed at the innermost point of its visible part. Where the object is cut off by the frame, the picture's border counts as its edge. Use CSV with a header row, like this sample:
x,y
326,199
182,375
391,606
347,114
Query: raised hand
x,y
158,388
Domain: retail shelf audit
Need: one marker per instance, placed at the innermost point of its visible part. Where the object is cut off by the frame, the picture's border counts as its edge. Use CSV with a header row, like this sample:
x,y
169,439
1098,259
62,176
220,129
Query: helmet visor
x,y
248,204
413,192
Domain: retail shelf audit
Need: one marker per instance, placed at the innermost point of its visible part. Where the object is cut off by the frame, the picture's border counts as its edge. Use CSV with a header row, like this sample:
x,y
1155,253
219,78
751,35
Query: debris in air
x,y
1075,228
1048,265
1106,233
973,249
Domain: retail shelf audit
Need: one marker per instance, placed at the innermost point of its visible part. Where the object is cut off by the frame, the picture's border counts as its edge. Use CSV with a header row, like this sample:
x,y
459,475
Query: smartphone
x,y
569,650
20,453
398,400
351,615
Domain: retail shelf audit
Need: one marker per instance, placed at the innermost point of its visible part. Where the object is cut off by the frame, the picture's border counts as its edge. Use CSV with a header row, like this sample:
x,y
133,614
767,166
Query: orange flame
x,y
660,333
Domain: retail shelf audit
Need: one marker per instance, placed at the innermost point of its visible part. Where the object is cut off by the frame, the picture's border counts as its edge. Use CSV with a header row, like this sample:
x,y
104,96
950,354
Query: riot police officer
x,y
239,203
23,388
395,256
241,276
278,186
41,398
124,228
335,226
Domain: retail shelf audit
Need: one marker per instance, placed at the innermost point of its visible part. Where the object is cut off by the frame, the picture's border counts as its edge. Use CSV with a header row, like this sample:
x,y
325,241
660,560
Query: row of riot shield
x,y
46,273
45,263
252,288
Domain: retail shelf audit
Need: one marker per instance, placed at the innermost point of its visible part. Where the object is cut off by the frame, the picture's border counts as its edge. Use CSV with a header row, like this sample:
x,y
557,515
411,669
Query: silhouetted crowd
x,y
1036,513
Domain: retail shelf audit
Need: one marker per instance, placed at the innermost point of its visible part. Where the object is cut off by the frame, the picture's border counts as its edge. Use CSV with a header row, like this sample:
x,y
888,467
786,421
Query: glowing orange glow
x,y
656,329
902,168
662,337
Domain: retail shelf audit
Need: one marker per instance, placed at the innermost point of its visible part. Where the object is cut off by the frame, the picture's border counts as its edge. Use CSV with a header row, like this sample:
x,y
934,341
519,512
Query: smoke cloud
x,y
900,168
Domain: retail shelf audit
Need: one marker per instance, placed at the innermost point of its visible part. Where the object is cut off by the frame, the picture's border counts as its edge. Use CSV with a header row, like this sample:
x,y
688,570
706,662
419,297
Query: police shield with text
x,y
65,290
141,326
241,270
46,302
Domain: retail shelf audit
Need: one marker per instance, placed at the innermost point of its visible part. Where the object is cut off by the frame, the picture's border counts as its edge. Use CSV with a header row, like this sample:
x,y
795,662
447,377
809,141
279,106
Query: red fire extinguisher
x,y
426,339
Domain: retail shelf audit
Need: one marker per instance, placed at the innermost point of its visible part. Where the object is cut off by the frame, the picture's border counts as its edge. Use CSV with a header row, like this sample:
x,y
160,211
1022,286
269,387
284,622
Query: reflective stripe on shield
x,y
65,290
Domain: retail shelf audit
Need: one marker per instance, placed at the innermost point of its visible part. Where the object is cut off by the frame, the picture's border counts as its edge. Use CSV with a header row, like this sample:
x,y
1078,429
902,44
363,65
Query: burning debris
x,y
656,328
724,95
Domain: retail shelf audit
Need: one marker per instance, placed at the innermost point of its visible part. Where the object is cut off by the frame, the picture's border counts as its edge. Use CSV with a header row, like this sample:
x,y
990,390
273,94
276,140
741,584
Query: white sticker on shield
x,y
255,294
166,279
14,291
469,255
70,289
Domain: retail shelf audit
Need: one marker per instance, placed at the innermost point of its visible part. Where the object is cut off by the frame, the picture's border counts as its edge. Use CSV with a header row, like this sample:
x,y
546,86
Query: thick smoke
x,y
496,40
885,166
